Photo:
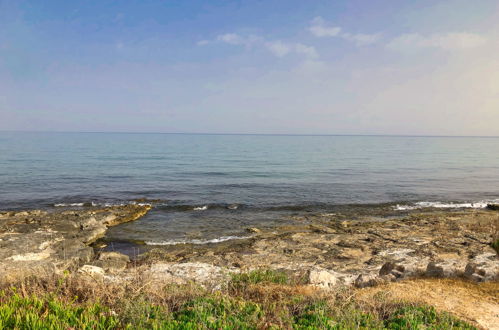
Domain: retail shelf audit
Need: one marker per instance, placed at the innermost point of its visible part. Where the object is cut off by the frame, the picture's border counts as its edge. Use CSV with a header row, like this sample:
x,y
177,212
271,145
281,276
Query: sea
x,y
208,188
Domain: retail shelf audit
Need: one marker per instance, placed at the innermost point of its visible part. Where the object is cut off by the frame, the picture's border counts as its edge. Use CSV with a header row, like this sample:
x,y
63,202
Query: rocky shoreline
x,y
323,251
41,243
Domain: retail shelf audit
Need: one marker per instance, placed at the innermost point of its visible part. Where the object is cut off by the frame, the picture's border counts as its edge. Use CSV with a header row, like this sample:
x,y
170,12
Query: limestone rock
x,y
405,268
484,267
449,268
34,241
112,262
201,273
92,271
328,279
366,280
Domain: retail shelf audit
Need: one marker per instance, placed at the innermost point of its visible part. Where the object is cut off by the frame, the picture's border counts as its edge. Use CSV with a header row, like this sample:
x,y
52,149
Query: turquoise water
x,y
211,186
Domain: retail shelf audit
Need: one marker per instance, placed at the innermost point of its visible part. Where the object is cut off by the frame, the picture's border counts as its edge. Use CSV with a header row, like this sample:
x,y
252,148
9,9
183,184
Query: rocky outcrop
x,y
328,252
400,248
41,242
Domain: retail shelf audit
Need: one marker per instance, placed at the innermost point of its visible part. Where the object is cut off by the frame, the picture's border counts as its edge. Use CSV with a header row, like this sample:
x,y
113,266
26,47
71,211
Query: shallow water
x,y
213,186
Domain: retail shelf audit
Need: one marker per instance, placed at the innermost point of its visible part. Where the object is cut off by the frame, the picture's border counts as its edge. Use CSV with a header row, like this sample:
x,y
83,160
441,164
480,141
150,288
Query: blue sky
x,y
304,67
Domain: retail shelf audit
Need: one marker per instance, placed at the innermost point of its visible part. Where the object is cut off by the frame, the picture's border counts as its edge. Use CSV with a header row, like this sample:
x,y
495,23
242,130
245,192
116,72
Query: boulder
x,y
322,278
94,272
484,267
494,207
112,262
405,268
328,279
366,280
449,268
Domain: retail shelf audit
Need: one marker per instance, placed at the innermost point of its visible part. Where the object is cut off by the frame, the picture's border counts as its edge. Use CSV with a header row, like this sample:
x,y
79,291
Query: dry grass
x,y
478,303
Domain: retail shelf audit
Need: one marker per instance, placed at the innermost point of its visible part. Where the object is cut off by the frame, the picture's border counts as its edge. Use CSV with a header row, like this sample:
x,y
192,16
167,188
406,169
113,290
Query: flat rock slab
x,y
40,242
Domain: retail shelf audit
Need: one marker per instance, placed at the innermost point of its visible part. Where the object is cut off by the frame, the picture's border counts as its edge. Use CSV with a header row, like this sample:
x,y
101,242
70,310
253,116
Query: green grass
x,y
260,276
49,312
219,313
212,312
320,316
423,317
262,300
495,245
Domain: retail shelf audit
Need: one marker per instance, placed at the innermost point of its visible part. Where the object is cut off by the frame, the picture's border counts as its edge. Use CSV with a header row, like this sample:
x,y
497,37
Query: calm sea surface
x,y
213,186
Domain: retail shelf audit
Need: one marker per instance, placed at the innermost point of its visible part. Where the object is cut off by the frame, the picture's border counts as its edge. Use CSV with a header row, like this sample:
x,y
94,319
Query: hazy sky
x,y
291,66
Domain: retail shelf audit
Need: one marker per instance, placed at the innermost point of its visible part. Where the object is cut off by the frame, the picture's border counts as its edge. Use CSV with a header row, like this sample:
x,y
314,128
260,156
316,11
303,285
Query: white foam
x,y
201,208
68,204
443,205
198,241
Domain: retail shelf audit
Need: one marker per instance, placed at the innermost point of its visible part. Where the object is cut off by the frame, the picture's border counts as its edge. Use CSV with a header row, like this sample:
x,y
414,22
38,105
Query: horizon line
x,y
251,134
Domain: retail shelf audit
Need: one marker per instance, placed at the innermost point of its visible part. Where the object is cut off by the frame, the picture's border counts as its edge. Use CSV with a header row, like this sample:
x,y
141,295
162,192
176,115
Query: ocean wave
x,y
68,204
198,241
444,205
201,208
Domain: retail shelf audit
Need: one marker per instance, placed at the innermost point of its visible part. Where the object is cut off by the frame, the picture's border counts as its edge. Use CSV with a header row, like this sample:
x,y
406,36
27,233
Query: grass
x,y
495,236
495,245
49,312
260,299
260,276
415,317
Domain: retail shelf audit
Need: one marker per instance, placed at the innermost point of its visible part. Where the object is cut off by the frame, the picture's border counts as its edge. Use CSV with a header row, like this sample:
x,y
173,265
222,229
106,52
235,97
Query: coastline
x,y
353,250
324,252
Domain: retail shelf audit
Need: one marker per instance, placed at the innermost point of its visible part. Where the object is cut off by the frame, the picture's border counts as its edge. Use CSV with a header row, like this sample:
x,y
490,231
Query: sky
x,y
404,67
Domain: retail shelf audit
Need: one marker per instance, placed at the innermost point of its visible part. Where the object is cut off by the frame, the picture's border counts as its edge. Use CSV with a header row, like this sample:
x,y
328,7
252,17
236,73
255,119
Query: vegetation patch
x,y
49,312
260,276
262,300
495,245
422,317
